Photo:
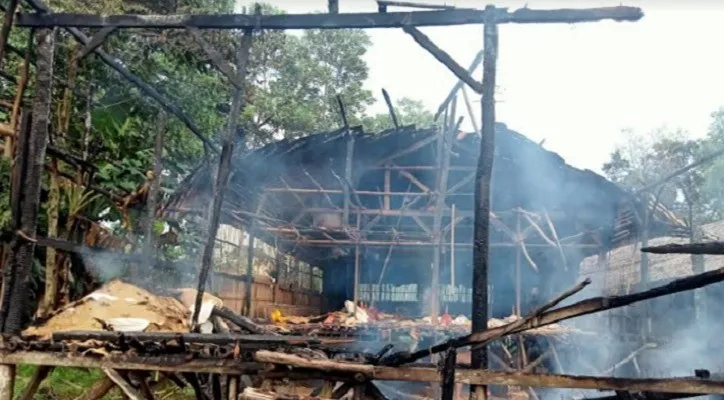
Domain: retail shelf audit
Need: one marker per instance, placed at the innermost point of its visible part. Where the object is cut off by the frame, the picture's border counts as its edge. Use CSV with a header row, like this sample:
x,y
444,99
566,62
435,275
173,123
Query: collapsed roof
x,y
289,190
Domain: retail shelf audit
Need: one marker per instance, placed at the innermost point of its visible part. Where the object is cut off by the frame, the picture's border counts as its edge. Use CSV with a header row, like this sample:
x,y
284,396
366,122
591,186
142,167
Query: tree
x,y
408,111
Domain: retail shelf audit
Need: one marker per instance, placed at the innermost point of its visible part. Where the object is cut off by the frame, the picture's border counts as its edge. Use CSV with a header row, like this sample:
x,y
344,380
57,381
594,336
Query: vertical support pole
x,y
333,6
452,247
355,296
223,173
443,158
17,274
469,106
519,244
155,183
249,275
356,270
7,25
484,174
348,163
19,93
448,375
388,188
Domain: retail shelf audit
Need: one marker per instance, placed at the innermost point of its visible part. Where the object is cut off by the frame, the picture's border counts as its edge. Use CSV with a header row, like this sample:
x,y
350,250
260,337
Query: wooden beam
x,y
224,170
166,363
487,377
715,248
484,174
444,58
453,93
414,5
130,77
96,41
390,108
330,21
333,6
123,384
180,363
7,25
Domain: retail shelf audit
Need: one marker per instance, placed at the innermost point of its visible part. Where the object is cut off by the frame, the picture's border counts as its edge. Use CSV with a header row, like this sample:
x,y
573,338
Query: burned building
x,y
388,216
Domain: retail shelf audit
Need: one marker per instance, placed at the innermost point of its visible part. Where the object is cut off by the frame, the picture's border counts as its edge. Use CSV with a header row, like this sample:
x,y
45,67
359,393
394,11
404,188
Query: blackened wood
x,y
342,390
23,250
99,389
476,61
448,375
332,21
415,5
348,162
96,41
7,25
583,307
216,386
193,380
224,171
716,248
391,108
220,339
240,321
133,79
123,384
333,6
249,275
71,159
32,386
483,176
444,58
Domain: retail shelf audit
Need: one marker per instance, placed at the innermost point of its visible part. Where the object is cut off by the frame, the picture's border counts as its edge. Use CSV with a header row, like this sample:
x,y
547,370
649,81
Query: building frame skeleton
x,y
357,221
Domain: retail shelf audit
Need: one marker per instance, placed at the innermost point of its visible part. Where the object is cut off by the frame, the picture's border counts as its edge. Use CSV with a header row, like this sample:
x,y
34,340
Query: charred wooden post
x,y
7,25
333,6
448,375
19,94
16,275
444,144
347,164
223,172
391,108
483,178
714,248
249,275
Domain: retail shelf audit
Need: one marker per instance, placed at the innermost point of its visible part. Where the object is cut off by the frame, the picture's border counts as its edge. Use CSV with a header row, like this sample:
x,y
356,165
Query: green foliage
x,y
695,195
408,111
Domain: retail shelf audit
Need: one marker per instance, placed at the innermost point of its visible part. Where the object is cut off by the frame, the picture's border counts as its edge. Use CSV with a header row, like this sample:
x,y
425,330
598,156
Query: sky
x,y
575,86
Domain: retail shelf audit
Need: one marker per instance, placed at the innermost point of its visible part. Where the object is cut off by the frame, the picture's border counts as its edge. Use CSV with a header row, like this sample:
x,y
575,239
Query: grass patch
x,y
71,383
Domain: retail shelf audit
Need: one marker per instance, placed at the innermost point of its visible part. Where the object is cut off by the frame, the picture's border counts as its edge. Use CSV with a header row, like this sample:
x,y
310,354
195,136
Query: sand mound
x,y
116,299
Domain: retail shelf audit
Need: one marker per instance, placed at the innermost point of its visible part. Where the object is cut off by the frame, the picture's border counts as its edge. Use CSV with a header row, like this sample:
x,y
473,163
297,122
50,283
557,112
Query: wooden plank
x,y
331,21
123,384
96,41
168,363
487,377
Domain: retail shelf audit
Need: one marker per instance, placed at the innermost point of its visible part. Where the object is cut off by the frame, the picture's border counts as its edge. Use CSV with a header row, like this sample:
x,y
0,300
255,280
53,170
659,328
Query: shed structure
x,y
408,205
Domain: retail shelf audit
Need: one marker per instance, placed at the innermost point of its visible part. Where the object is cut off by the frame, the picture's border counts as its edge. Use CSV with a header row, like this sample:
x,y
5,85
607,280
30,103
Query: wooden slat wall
x,y
266,297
